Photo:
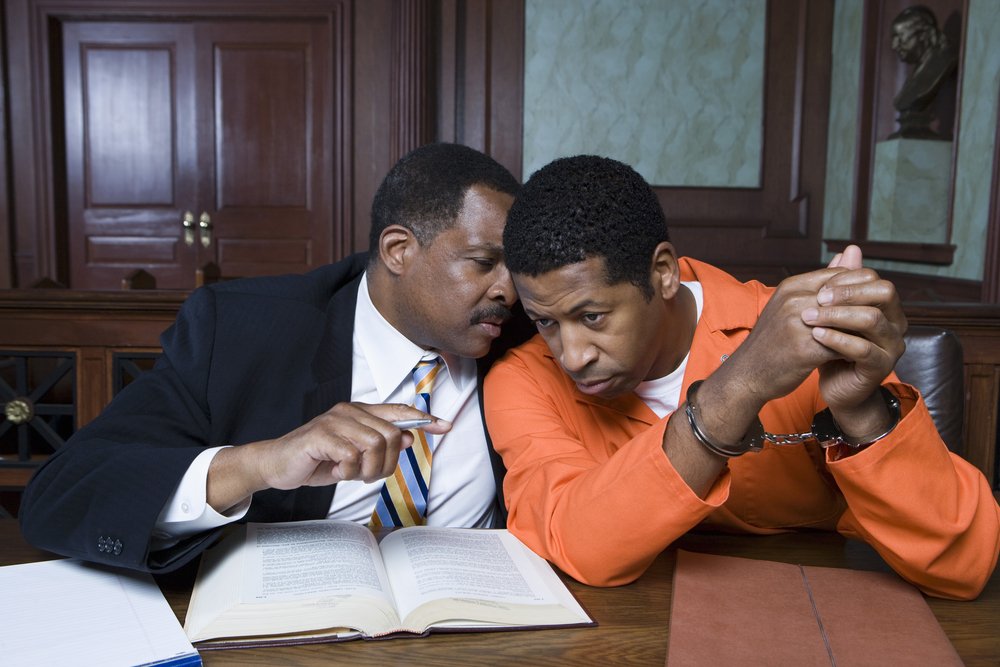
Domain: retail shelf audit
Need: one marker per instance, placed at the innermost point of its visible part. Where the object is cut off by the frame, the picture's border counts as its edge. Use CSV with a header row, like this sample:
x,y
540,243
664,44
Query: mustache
x,y
491,313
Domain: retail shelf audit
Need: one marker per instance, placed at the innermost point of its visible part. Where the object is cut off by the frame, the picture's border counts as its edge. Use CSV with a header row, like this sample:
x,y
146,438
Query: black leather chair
x,y
933,363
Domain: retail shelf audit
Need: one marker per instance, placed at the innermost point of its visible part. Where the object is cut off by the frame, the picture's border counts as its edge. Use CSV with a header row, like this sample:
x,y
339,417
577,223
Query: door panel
x,y
261,113
126,92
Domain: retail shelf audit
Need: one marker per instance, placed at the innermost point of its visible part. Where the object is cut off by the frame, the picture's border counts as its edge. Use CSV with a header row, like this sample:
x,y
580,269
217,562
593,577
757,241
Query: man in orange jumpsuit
x,y
614,448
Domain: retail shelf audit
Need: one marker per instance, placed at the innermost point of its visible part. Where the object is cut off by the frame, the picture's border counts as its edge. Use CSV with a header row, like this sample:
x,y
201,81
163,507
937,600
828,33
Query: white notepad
x,y
66,612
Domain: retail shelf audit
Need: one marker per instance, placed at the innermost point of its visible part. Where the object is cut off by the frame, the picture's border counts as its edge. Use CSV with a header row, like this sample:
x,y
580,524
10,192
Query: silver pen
x,y
411,423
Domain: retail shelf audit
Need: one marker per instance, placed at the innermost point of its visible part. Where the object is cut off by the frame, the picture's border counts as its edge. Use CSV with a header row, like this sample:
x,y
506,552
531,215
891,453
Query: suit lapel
x,y
332,361
332,372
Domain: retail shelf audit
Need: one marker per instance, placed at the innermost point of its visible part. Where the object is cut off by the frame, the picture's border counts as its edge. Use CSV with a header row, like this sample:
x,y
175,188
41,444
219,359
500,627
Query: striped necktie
x,y
403,499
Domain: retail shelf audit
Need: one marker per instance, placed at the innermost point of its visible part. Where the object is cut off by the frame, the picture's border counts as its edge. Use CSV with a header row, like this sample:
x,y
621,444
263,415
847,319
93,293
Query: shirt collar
x,y
728,303
391,356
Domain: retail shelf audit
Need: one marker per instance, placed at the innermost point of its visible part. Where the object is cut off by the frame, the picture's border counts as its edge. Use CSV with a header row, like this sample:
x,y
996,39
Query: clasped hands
x,y
843,320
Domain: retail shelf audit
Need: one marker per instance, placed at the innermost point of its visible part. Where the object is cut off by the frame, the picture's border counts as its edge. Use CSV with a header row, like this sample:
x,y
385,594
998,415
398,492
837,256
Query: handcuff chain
x,y
788,438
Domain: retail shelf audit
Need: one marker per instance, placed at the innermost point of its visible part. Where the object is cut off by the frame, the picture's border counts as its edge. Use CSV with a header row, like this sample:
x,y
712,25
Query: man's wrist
x,y
233,477
883,414
751,440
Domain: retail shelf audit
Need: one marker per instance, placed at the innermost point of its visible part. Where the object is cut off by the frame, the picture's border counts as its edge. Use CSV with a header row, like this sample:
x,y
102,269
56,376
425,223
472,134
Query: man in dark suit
x,y
272,393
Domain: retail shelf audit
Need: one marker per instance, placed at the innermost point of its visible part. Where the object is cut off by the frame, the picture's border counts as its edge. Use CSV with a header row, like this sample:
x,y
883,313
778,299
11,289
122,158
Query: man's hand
x,y
849,259
859,318
781,350
351,441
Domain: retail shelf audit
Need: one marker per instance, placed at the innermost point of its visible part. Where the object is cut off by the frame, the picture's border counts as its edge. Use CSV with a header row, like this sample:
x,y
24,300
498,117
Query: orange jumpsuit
x,y
589,487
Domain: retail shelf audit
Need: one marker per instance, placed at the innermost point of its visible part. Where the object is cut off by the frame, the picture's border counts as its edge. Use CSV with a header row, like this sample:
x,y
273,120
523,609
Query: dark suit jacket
x,y
245,360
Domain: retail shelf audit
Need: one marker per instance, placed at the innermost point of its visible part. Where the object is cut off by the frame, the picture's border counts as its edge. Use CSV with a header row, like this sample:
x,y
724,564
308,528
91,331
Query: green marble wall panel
x,y
910,182
673,88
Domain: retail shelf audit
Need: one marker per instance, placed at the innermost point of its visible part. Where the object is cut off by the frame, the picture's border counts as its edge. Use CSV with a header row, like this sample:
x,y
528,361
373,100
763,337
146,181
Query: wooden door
x,y
131,150
196,142
265,151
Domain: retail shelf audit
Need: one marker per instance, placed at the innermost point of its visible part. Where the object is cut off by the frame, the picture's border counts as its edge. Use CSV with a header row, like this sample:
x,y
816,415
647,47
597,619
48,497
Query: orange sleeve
x,y
600,506
929,513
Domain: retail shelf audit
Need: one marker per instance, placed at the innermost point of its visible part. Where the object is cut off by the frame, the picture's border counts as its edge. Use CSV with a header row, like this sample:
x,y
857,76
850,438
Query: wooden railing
x,y
63,356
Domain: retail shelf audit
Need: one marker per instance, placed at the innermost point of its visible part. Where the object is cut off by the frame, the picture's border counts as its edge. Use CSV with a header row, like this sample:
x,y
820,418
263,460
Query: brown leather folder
x,y
740,611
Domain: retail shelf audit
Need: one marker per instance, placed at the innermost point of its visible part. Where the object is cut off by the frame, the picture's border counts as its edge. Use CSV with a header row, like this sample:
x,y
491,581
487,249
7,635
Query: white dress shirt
x,y
462,487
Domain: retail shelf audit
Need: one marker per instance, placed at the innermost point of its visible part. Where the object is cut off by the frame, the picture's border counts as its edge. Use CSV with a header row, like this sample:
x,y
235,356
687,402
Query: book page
x,y
311,559
487,576
65,612
297,577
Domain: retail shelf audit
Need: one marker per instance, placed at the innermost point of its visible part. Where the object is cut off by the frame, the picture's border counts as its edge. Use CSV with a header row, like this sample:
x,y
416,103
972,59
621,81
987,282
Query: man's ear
x,y
666,272
396,246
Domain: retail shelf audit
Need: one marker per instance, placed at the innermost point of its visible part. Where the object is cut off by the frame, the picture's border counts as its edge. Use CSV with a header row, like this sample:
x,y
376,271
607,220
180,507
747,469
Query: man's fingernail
x,y
825,296
810,314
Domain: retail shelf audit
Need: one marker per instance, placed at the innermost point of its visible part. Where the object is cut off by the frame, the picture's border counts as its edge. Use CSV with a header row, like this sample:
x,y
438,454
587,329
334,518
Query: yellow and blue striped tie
x,y
403,499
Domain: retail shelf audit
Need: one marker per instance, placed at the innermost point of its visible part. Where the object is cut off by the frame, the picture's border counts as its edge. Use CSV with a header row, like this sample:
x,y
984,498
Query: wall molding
x,y
991,268
481,77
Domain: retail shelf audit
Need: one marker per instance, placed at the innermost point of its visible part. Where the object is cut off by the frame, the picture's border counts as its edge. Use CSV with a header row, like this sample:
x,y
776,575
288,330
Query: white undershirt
x,y
663,395
462,487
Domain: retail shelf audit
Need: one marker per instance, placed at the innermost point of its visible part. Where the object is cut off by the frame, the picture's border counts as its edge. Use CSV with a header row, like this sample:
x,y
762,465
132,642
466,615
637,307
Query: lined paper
x,y
64,612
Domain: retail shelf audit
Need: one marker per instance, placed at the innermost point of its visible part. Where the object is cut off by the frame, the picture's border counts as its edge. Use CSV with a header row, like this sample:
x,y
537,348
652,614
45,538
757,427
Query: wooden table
x,y
633,619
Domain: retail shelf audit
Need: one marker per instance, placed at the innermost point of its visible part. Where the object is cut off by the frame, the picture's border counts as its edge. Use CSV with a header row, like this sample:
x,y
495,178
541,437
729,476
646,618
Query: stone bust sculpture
x,y
917,41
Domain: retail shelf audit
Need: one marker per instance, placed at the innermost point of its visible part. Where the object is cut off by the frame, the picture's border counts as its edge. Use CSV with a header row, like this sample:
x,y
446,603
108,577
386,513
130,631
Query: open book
x,y
311,581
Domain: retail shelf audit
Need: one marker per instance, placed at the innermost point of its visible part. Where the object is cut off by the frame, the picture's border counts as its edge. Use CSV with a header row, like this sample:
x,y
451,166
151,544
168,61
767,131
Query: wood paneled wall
x,y
406,72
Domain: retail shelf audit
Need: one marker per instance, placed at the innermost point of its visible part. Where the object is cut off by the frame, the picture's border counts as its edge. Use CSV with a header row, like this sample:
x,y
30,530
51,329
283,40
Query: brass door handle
x,y
188,223
205,229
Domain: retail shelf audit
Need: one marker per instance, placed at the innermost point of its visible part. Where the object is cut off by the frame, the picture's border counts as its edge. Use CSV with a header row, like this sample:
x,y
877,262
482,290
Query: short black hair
x,y
425,190
575,208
